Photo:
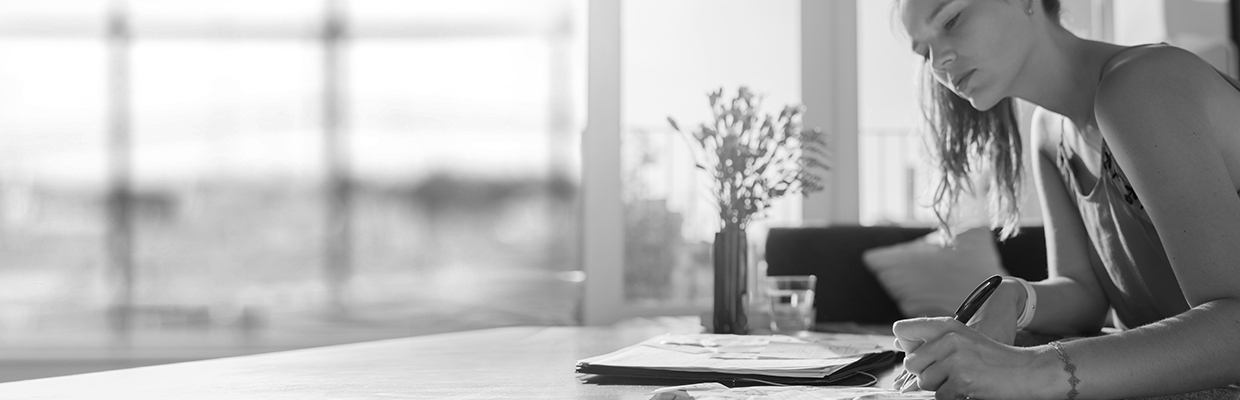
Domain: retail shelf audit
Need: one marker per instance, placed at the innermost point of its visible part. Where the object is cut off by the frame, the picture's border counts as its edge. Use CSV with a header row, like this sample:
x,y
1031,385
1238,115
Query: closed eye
x,y
951,22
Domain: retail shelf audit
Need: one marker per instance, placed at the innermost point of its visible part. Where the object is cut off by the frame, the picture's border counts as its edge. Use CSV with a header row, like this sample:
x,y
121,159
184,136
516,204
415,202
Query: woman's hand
x,y
997,317
957,361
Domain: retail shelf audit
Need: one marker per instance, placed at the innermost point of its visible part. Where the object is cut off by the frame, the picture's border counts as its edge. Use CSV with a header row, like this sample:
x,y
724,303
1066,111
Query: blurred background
x,y
192,179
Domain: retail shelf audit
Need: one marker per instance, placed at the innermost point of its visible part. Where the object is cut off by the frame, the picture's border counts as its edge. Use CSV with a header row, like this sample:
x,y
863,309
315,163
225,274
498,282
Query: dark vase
x,y
731,268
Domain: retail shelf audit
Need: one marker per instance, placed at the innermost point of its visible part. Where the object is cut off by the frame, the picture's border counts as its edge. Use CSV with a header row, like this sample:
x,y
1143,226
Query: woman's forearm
x,y
1064,307
1193,351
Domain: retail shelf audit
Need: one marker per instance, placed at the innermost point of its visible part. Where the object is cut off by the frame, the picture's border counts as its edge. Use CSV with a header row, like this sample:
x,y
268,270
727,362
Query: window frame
x,y
117,30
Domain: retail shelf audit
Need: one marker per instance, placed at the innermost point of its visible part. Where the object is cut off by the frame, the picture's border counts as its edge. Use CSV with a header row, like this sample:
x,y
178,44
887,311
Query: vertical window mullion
x,y
603,241
336,150
120,244
829,93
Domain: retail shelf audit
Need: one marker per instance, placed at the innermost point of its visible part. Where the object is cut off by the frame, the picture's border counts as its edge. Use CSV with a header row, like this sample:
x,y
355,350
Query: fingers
x,y
933,346
941,367
931,376
944,386
954,389
935,352
912,333
924,329
948,395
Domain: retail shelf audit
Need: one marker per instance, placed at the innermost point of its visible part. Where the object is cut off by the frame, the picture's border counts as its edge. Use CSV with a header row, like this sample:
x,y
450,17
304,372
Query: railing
x,y
895,178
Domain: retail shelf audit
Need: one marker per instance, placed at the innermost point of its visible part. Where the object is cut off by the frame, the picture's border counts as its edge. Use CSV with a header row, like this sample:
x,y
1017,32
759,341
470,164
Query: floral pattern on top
x,y
1118,178
1110,170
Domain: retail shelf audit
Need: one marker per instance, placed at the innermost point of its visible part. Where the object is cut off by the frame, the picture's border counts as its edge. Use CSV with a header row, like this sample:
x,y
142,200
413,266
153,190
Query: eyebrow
x,y
933,14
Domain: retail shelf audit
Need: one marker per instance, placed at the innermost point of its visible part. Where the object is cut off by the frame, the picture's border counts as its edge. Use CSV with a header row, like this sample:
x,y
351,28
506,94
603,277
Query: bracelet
x,y
1031,304
1071,368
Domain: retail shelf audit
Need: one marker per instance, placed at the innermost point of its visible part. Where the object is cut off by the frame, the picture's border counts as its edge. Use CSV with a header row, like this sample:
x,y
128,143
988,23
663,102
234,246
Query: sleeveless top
x,y
1135,273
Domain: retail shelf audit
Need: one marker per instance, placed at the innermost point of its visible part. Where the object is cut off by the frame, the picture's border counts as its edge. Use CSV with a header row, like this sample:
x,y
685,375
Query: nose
x,y
941,58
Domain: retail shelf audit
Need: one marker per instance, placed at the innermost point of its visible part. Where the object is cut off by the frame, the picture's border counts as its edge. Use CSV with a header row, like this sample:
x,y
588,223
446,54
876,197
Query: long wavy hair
x,y
965,140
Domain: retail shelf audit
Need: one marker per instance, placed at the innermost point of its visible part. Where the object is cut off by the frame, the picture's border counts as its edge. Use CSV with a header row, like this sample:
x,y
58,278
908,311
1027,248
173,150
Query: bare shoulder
x,y
1163,90
1144,77
1166,104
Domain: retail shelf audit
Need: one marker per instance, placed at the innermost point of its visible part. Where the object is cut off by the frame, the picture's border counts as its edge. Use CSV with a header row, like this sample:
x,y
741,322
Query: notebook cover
x,y
851,375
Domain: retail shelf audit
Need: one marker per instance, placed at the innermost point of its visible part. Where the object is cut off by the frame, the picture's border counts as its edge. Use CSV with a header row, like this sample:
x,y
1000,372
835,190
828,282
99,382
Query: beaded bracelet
x,y
1070,368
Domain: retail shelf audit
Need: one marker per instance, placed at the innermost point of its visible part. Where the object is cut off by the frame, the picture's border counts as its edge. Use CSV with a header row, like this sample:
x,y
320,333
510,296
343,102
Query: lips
x,y
963,80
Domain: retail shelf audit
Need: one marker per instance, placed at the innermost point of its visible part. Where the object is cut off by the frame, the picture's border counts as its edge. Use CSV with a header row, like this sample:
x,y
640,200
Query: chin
x,y
983,102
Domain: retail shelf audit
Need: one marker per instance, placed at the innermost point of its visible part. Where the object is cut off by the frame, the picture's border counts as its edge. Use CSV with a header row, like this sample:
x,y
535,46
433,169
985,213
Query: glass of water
x,y
792,302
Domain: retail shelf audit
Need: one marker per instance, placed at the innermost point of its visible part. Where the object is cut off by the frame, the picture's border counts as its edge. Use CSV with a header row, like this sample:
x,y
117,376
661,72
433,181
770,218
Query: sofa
x,y
848,291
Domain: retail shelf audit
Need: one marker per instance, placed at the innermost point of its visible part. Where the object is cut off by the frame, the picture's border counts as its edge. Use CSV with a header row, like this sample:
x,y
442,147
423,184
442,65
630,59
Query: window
x,y
299,173
53,165
895,169
674,54
648,226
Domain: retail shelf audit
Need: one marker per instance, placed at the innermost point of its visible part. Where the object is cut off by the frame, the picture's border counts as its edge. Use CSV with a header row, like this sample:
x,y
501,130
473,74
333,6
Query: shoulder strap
x,y
1106,66
1229,79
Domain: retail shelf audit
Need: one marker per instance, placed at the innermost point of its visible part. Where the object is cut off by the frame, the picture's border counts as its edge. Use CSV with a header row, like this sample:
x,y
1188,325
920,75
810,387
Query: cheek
x,y
998,44
940,77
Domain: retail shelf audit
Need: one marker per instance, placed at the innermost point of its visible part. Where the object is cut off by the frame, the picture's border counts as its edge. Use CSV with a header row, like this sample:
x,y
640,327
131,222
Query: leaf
x,y
754,157
673,122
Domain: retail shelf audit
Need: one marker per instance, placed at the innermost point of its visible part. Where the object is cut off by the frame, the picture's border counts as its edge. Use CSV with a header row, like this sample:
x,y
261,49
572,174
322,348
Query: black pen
x,y
971,304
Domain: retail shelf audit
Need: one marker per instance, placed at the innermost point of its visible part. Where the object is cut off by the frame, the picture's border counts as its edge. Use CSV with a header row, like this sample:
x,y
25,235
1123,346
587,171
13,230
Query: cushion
x,y
929,279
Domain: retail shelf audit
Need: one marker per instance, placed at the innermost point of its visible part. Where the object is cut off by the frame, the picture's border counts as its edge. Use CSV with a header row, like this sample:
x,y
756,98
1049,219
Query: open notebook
x,y
737,360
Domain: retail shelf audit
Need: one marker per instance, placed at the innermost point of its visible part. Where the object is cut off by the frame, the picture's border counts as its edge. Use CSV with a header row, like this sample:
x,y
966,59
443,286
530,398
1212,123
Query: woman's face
x,y
973,47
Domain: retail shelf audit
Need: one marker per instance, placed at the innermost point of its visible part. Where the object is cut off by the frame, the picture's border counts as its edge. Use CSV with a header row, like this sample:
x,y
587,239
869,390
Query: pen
x,y
971,304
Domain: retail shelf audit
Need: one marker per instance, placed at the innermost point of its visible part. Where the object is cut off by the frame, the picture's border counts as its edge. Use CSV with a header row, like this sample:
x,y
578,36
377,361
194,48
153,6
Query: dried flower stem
x,y
755,158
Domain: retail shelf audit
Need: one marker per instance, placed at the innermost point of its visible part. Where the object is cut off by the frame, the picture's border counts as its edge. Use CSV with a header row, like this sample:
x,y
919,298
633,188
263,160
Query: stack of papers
x,y
715,391
775,355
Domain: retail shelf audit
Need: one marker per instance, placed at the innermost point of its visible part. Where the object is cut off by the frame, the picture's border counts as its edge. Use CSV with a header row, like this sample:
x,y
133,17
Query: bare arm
x,y
1160,117
1165,119
1070,300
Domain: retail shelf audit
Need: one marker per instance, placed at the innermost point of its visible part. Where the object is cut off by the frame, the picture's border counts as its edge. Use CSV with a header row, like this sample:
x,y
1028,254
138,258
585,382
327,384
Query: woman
x,y
1137,165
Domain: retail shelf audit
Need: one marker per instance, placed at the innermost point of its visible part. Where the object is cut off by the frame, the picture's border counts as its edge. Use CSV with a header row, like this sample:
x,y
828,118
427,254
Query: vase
x,y
731,283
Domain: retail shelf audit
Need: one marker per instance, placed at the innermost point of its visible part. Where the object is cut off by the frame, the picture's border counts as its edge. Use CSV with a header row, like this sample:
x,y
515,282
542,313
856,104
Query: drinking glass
x,y
792,302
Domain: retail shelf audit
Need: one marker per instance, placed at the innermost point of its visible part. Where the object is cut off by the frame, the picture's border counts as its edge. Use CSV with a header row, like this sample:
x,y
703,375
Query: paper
x,y
803,351
738,347
716,391
723,345
773,355
654,357
880,342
